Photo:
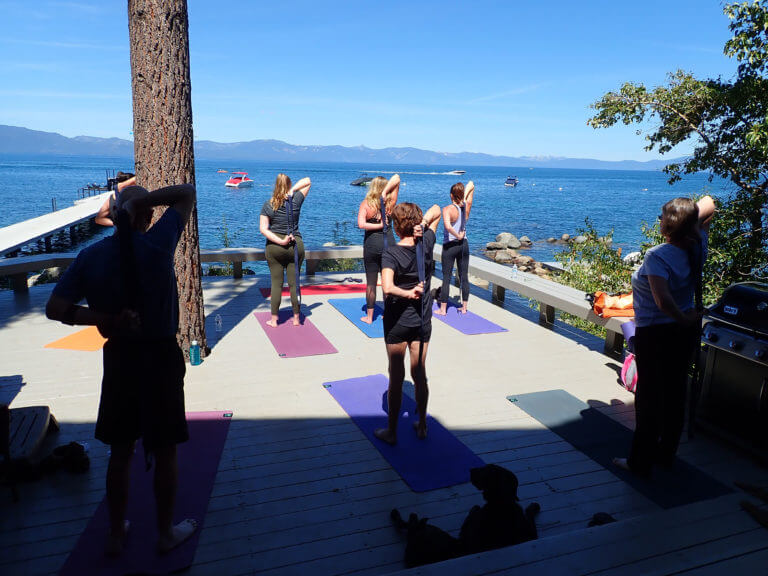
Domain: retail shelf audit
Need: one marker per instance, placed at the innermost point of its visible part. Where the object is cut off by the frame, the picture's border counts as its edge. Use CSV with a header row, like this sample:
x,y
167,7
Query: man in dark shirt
x,y
129,284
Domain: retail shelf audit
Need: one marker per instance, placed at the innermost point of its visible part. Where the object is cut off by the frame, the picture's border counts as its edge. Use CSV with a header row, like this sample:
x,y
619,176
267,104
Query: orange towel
x,y
88,340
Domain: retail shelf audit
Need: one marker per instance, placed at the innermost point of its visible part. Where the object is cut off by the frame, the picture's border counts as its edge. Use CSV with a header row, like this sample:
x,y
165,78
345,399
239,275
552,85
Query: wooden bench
x,y
550,295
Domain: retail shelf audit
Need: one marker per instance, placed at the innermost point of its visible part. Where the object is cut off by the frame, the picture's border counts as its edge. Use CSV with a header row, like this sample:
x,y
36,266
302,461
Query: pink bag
x,y
629,373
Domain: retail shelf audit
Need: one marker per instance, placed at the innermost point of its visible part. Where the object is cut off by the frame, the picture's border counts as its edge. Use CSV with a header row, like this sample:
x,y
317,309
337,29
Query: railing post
x,y
311,266
614,343
48,244
237,269
497,294
19,282
546,314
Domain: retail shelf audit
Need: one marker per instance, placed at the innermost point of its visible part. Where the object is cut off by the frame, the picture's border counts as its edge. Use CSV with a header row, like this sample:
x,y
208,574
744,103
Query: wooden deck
x,y
20,234
301,491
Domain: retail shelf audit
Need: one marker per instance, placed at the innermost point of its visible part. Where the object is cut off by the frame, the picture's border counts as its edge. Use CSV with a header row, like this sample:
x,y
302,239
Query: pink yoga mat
x,y
294,341
198,464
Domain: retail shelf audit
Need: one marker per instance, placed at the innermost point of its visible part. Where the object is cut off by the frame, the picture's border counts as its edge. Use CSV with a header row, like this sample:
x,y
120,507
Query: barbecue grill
x,y
734,387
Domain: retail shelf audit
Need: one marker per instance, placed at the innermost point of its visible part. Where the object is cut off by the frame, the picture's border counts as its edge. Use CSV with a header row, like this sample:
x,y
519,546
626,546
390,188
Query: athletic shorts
x,y
142,393
399,334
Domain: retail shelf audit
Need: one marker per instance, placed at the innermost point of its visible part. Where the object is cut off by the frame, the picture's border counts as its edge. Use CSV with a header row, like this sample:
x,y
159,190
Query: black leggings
x,y
280,260
663,353
455,251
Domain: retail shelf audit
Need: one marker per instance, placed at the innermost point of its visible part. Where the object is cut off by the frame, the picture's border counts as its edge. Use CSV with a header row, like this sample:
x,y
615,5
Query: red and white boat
x,y
239,180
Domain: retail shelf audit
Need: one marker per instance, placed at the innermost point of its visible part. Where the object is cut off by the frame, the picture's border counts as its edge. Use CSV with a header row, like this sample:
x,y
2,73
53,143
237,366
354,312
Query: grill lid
x,y
744,305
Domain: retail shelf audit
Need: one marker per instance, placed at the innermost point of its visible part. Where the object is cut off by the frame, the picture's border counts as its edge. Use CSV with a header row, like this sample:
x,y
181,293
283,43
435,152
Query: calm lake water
x,y
546,202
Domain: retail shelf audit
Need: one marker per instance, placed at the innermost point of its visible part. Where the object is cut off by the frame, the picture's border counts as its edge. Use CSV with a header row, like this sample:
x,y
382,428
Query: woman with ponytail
x,y
279,223
370,218
667,332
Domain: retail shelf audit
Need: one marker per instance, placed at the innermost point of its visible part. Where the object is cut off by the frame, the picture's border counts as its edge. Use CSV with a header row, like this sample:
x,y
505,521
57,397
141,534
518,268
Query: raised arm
x,y
302,186
180,197
706,208
103,217
432,218
390,193
469,193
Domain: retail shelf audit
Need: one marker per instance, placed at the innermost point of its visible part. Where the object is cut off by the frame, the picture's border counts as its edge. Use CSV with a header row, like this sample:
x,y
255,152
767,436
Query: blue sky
x,y
502,77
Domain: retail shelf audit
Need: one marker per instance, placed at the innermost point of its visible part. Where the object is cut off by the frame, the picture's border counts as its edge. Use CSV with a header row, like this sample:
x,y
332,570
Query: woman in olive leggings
x,y
282,234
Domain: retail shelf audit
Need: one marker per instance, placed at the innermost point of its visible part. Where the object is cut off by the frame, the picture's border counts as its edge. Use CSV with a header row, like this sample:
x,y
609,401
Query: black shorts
x,y
142,393
398,334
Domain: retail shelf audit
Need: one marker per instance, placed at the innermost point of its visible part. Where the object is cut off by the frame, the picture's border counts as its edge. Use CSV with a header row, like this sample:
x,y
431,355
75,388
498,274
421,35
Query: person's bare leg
x,y
442,310
370,301
118,480
166,481
418,359
296,319
396,353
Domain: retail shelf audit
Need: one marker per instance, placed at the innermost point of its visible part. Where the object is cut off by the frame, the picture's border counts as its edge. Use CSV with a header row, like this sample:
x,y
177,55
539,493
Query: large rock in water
x,y
580,239
565,238
513,243
502,256
525,241
495,246
504,237
633,258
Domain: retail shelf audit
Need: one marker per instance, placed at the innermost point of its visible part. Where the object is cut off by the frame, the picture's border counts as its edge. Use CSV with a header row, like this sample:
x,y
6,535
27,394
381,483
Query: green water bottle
x,y
194,353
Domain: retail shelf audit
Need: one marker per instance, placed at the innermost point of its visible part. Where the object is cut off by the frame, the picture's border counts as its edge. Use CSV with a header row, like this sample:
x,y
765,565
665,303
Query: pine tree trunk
x,y
162,132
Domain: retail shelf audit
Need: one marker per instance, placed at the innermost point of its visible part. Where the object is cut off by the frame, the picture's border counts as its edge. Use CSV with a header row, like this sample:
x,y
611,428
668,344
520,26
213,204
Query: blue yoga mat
x,y
355,308
438,461
602,438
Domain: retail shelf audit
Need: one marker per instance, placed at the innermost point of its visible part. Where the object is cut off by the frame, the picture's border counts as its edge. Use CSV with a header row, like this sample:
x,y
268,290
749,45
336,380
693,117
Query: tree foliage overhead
x,y
727,122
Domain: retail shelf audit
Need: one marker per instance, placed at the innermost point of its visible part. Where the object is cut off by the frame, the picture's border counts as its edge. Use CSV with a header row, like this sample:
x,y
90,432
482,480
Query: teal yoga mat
x,y
602,438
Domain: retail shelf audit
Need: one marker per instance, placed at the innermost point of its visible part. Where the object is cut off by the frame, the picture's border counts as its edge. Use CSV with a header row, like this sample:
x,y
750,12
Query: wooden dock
x,y
18,235
300,490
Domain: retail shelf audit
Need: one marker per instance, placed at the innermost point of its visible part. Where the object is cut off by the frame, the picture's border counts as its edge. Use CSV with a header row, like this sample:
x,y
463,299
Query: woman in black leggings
x,y
455,245
369,218
282,234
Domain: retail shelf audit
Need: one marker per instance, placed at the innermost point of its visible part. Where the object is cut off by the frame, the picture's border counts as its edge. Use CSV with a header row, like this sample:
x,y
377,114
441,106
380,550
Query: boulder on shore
x,y
525,241
495,246
502,256
504,237
565,238
633,258
580,239
514,243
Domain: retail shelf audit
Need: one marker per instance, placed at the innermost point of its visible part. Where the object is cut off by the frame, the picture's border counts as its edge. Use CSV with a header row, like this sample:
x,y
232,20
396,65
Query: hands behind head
x,y
418,230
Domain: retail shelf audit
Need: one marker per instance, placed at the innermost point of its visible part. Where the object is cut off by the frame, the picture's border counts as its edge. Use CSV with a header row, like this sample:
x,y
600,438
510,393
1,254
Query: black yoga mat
x,y
602,438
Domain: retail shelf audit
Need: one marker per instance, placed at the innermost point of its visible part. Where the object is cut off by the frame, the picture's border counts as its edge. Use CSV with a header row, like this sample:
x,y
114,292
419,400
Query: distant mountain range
x,y
22,141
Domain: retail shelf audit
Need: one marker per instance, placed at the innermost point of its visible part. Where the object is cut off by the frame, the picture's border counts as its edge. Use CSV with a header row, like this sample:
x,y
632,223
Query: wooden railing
x,y
551,296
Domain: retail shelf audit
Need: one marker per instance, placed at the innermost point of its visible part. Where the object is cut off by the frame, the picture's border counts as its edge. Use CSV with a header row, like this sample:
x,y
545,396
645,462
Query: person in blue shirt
x,y
129,285
667,332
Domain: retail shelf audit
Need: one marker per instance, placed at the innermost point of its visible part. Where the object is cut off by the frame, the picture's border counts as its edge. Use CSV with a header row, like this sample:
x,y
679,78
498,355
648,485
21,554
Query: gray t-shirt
x,y
278,219
673,264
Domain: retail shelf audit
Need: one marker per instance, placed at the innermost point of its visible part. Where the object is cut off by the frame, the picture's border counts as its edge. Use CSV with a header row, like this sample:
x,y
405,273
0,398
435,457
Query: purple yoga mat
x,y
438,461
198,463
294,341
468,323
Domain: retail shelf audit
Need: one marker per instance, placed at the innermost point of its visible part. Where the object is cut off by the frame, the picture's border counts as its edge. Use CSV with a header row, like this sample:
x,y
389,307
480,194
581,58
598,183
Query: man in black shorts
x,y
129,284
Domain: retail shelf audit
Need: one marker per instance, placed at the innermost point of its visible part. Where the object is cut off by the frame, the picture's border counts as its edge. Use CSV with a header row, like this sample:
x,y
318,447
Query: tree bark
x,y
162,132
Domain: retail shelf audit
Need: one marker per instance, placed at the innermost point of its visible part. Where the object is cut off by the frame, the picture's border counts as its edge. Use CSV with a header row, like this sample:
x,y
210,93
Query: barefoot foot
x,y
272,323
116,542
179,533
385,435
440,312
366,320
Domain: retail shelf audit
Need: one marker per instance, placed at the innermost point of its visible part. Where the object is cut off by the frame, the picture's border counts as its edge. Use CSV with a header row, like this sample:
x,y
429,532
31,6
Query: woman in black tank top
x,y
369,219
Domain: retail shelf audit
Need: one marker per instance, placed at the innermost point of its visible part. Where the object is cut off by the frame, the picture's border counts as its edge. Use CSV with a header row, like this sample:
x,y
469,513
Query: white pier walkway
x,y
17,235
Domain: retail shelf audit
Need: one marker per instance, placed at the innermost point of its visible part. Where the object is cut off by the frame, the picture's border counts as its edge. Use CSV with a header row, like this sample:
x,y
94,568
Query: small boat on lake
x,y
364,180
241,180
457,172
220,171
511,181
